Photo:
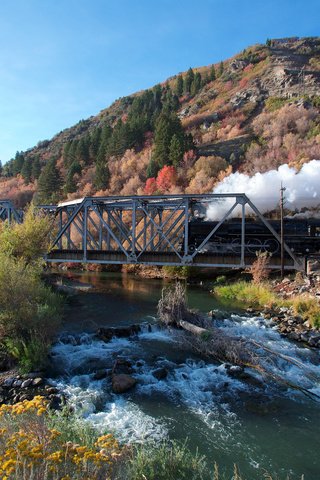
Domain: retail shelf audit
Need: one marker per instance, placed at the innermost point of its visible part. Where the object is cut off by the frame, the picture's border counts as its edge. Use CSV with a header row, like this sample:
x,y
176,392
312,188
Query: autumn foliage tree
x,y
166,179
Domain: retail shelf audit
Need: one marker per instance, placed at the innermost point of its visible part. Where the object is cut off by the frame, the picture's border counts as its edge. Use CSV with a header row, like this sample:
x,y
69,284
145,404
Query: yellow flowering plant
x,y
31,448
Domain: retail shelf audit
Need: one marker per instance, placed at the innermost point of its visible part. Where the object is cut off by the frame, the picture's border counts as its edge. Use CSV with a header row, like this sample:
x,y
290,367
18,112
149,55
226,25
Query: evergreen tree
x,y
1,170
7,170
82,151
176,150
168,125
49,183
36,168
196,84
26,170
188,80
221,69
95,141
179,86
17,163
102,176
65,154
212,73
152,169
70,185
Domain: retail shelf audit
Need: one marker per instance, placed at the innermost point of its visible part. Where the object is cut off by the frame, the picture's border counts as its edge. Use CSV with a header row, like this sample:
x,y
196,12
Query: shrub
x,y
258,269
31,446
180,272
308,309
220,280
275,103
30,354
30,312
166,461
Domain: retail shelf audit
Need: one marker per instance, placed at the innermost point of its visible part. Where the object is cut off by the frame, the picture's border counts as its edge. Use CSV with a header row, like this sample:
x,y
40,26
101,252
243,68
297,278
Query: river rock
x,y
27,383
294,336
100,374
122,383
107,333
37,382
121,365
17,383
160,373
8,382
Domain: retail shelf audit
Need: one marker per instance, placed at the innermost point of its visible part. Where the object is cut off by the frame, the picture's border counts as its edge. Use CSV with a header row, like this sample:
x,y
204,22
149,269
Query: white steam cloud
x,y
263,189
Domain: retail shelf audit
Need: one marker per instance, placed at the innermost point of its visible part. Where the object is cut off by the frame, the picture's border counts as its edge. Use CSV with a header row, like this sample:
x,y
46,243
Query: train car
x,y
301,235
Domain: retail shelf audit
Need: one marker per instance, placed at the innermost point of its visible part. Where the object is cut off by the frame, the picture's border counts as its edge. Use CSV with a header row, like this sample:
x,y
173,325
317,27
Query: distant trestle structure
x,y
9,212
153,230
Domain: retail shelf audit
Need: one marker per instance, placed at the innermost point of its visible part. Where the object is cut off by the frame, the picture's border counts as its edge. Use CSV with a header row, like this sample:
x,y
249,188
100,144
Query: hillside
x,y
251,113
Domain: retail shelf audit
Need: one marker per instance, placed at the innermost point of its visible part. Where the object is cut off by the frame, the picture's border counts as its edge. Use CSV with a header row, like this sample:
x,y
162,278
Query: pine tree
x,y
70,185
102,176
196,84
1,170
49,183
152,169
168,125
176,150
179,86
221,69
26,170
95,141
82,151
188,80
17,163
36,168
212,73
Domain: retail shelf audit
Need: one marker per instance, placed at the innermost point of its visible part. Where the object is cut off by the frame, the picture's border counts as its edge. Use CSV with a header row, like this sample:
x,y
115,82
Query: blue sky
x,y
64,60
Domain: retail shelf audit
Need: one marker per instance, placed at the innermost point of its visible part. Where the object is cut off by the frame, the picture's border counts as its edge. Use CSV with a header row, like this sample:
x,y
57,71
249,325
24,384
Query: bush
x,y
258,269
32,447
275,103
30,312
308,309
166,461
30,354
180,272
220,280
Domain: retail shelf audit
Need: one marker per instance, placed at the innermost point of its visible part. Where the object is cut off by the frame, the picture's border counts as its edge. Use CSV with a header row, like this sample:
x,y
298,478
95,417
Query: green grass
x,y
261,295
247,293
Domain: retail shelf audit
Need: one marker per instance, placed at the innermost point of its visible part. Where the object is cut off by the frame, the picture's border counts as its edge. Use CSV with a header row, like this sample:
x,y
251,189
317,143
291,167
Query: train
x,y
302,236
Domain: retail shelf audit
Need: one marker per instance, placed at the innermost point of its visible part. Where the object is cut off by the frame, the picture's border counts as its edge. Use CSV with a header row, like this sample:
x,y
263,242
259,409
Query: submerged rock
x,y
160,373
122,382
107,333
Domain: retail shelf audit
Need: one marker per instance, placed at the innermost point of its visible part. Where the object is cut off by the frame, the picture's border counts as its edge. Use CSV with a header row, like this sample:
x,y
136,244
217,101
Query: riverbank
x,y
291,304
223,410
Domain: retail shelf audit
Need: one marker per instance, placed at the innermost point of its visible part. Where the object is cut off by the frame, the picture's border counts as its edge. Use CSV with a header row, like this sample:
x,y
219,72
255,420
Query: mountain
x,y
252,112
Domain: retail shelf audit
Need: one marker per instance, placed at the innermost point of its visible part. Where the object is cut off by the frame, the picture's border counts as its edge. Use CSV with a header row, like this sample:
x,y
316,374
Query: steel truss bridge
x,y
9,212
152,230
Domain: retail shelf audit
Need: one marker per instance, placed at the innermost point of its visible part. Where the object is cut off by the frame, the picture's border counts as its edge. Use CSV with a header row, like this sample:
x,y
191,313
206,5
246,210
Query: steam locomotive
x,y
301,235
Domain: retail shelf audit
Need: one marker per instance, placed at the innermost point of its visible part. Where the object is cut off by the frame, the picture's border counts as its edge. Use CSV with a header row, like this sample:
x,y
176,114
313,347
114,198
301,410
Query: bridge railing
x,y
155,230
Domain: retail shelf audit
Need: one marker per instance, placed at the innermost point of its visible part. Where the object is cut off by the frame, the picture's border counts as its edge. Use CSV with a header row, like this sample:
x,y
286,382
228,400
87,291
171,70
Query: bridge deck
x,y
158,258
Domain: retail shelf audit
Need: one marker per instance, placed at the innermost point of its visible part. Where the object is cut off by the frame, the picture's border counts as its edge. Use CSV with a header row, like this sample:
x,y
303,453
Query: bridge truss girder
x,y
149,230
9,212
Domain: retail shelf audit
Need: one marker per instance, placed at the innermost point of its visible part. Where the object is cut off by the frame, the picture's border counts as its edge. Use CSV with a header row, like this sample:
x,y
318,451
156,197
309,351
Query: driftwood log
x,y
212,342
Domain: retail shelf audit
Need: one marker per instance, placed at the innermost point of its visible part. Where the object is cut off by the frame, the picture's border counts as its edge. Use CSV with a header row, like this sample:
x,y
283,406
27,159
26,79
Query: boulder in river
x,y
160,373
122,382
107,333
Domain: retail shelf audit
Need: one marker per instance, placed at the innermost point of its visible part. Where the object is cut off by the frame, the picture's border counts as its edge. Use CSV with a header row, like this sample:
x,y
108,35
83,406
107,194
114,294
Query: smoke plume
x,y
263,189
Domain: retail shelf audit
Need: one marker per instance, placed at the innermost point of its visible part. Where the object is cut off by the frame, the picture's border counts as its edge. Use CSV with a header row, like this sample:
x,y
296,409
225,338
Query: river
x,y
253,423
